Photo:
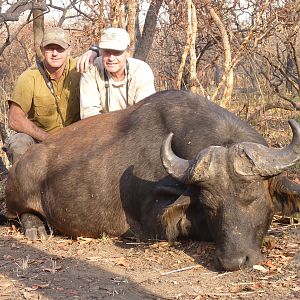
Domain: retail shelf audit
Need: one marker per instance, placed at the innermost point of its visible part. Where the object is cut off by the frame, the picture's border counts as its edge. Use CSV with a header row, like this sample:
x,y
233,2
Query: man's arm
x,y
18,121
90,103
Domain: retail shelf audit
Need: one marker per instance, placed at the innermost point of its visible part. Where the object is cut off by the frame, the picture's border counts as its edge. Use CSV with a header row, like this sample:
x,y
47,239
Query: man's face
x,y
55,56
114,61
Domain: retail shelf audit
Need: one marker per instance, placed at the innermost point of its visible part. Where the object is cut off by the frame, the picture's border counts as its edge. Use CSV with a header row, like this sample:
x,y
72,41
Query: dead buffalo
x,y
106,174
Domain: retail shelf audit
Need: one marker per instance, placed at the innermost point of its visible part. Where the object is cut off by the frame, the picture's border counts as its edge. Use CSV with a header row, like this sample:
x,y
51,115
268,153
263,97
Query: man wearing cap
x,y
116,80
45,97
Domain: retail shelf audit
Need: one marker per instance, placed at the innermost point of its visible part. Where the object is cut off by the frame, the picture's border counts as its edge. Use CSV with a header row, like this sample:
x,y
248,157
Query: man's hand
x,y
85,61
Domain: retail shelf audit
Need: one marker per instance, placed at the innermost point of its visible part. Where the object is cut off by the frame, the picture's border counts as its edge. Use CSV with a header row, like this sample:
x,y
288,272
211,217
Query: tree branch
x,y
269,106
15,10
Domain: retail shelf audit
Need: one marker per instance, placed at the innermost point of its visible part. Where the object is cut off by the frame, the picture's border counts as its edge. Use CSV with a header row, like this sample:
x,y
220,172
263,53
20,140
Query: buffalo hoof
x,y
33,227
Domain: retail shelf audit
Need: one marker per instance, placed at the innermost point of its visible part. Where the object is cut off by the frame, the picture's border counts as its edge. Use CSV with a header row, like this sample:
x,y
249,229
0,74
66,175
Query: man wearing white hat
x,y
116,80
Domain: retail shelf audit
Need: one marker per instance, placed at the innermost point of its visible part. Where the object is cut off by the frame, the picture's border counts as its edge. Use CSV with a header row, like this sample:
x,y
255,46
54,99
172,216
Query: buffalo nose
x,y
231,264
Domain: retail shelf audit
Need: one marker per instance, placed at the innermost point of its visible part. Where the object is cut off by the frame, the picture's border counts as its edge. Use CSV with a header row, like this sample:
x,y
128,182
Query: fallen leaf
x,y
159,245
52,270
235,289
14,228
270,265
270,243
7,257
82,240
121,261
73,292
13,245
94,258
41,286
36,287
31,295
119,280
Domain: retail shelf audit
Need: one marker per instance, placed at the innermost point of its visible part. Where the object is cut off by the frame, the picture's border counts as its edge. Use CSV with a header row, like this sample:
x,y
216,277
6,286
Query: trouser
x,y
16,145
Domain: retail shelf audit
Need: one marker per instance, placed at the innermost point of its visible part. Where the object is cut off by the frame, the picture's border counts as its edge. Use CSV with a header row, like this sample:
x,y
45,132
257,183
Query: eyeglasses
x,y
52,48
109,52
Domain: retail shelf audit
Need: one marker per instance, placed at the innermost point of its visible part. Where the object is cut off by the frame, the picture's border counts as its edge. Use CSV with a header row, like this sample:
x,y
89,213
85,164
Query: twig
x,y
136,243
222,274
232,294
180,270
245,283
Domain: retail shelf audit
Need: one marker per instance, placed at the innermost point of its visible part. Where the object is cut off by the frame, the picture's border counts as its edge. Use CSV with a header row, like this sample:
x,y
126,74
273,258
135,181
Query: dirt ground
x,y
109,268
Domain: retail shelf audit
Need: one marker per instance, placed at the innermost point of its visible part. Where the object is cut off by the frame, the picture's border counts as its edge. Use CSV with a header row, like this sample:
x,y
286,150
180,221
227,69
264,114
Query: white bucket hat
x,y
114,39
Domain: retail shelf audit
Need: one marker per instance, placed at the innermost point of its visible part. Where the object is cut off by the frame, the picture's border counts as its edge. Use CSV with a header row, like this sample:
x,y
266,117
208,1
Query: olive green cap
x,y
57,36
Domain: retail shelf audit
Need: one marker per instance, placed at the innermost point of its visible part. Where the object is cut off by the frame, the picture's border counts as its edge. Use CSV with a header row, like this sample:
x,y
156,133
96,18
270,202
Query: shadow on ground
x,y
29,273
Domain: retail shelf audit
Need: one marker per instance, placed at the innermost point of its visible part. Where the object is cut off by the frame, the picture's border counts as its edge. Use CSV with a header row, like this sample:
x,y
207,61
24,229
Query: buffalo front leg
x,y
33,227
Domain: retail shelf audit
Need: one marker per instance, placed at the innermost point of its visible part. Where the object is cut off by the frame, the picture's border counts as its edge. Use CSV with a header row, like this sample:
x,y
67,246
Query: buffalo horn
x,y
177,167
271,161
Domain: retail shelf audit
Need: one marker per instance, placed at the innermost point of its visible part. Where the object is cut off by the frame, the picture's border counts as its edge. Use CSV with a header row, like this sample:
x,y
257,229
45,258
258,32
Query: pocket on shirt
x,y
43,100
45,110
46,116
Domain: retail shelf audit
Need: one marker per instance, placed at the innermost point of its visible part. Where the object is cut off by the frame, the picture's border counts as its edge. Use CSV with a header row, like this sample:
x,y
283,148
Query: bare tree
x,y
249,44
13,14
38,29
131,27
228,69
146,41
15,10
281,55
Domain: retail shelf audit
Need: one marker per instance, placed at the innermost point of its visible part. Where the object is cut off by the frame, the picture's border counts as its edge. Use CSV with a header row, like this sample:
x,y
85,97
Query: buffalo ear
x,y
174,217
285,194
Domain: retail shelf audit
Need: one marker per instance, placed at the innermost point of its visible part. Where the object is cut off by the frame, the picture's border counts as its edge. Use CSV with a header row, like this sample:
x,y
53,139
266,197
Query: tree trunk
x,y
38,30
132,4
289,71
187,45
115,13
100,20
194,82
149,30
227,79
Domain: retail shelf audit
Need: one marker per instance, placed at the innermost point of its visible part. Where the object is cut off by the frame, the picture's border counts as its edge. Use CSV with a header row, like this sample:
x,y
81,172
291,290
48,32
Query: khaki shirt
x,y
93,90
34,97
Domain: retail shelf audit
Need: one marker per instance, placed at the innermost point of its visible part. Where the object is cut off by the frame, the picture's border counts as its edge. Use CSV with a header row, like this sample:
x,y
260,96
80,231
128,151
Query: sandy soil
x,y
109,268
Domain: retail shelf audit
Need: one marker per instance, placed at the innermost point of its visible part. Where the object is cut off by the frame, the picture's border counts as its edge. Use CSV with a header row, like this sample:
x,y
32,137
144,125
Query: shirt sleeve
x,y
146,82
23,91
90,104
